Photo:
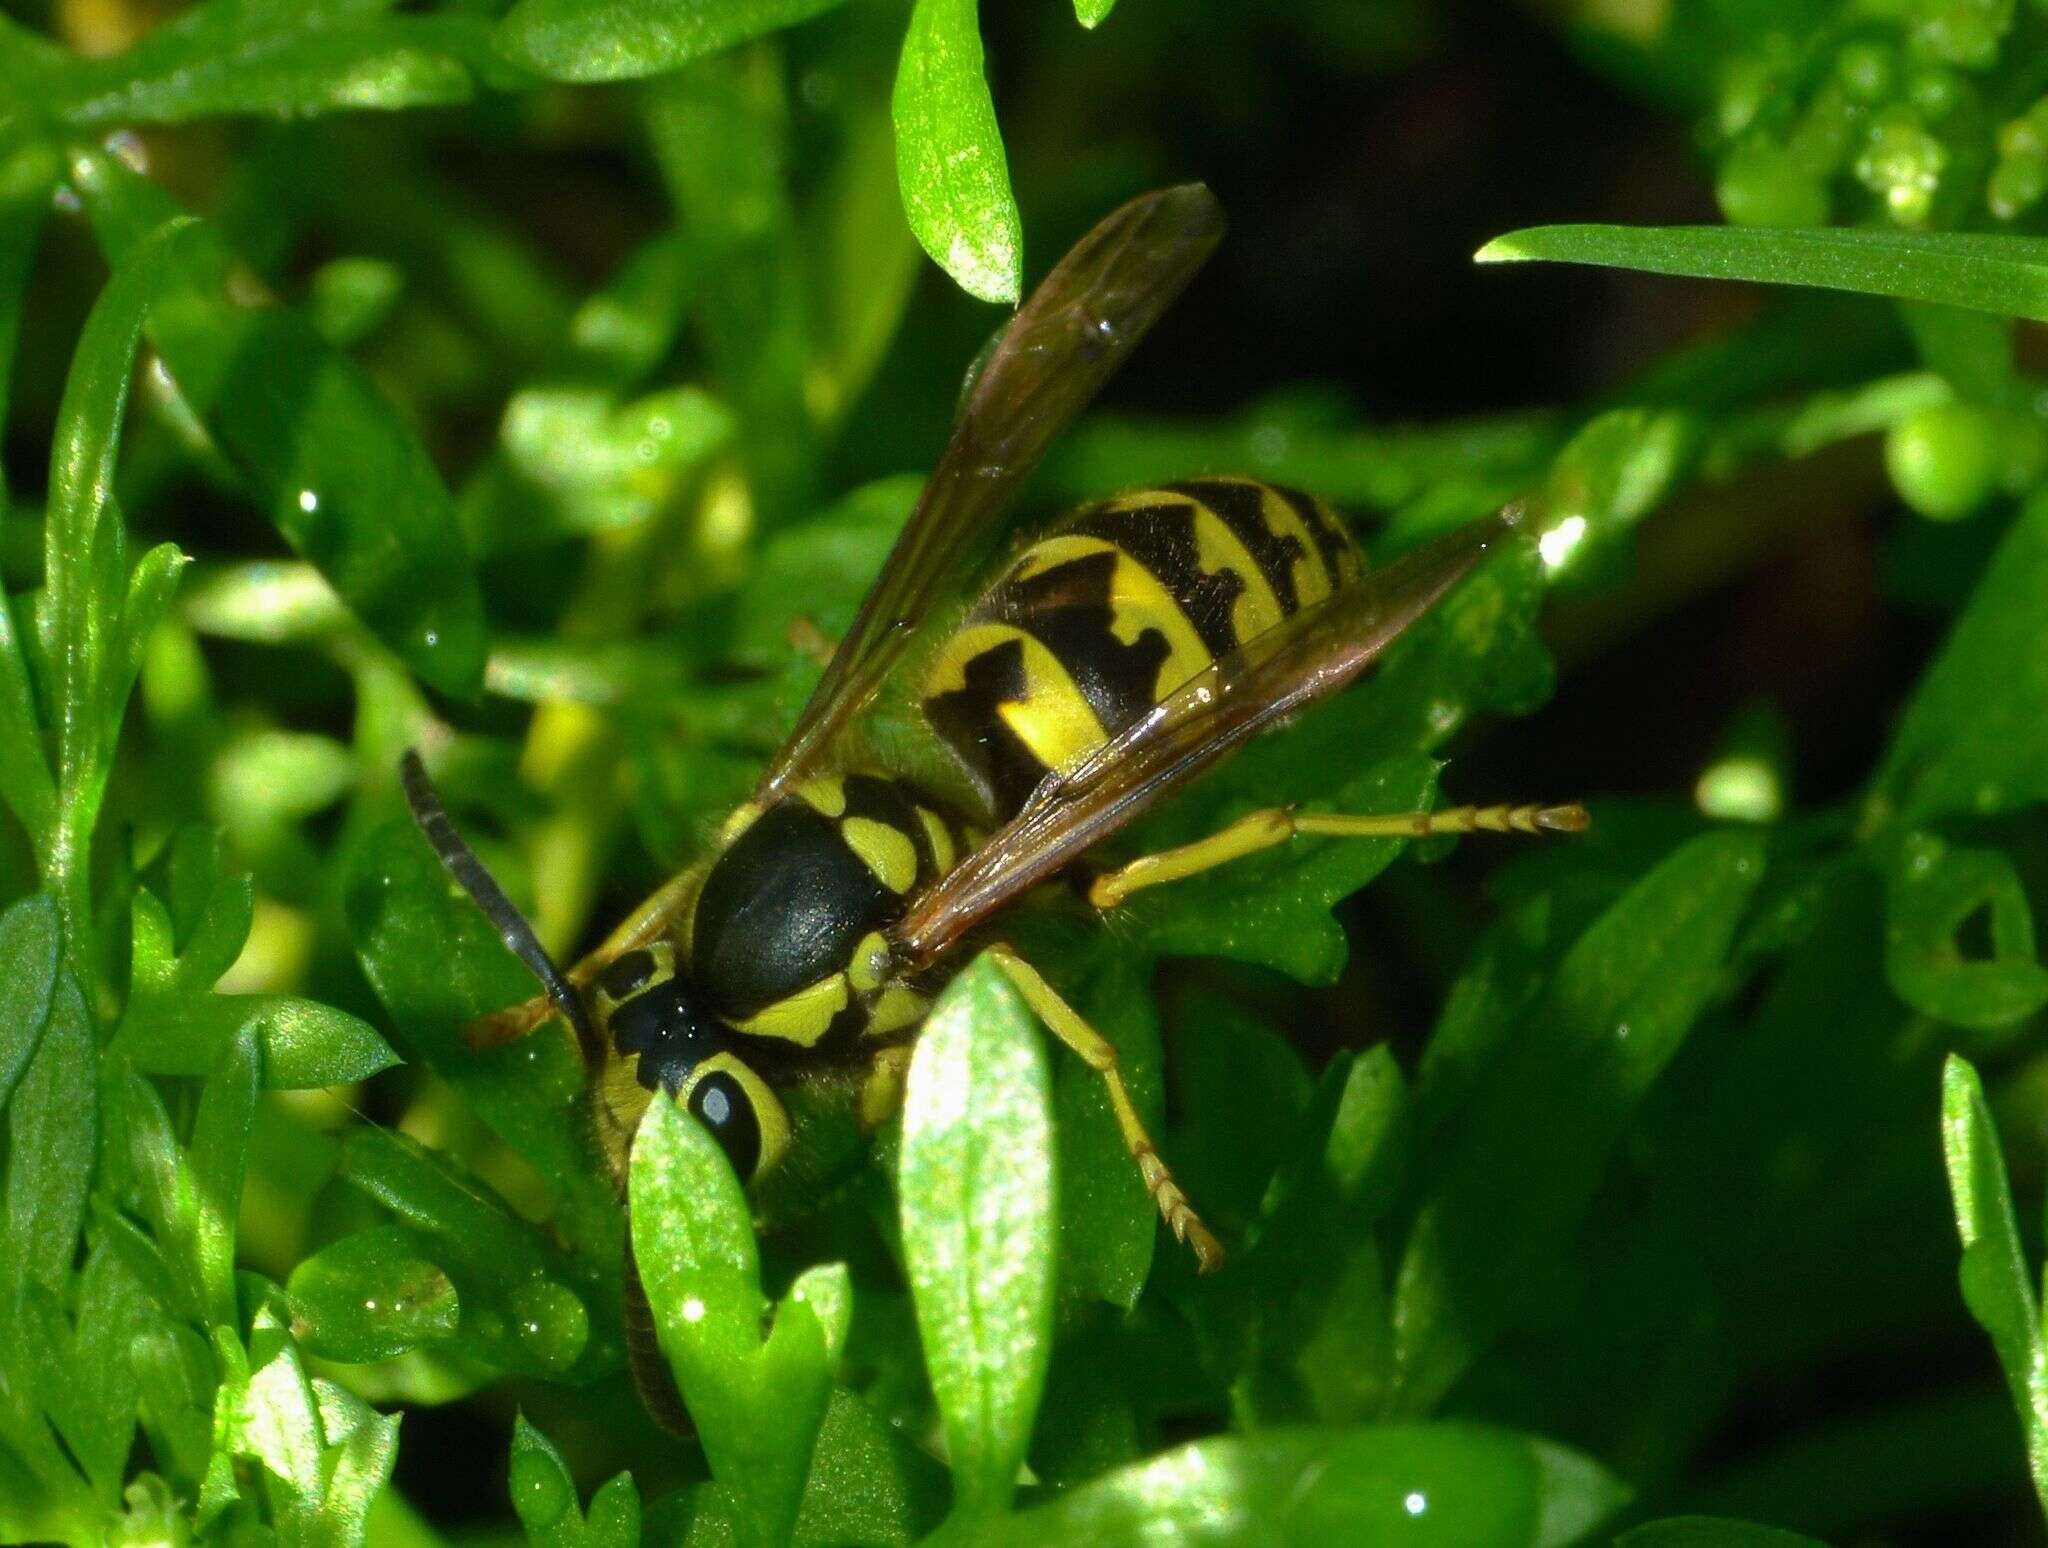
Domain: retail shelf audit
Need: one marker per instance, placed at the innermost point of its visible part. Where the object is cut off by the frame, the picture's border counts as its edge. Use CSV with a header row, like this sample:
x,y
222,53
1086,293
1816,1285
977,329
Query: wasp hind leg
x,y
1099,1054
1276,825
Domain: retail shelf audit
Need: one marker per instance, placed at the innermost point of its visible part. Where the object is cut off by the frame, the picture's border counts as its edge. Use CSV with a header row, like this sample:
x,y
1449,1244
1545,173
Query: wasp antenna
x,y
484,890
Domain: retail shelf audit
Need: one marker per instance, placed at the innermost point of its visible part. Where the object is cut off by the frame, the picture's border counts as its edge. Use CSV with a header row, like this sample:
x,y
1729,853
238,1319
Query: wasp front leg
x,y
1276,825
1099,1054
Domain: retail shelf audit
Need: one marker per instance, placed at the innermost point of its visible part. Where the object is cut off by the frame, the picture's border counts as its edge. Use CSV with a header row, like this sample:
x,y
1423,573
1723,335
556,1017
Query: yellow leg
x,y
1099,1054
644,924
1276,825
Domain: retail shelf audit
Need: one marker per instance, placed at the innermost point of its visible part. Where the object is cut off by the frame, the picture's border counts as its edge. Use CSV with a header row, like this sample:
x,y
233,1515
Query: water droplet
x,y
1621,1032
693,1310
1416,1502
309,501
1559,544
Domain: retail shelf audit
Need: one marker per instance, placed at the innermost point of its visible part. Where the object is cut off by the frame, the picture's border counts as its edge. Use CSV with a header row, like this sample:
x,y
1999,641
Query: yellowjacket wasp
x,y
1124,648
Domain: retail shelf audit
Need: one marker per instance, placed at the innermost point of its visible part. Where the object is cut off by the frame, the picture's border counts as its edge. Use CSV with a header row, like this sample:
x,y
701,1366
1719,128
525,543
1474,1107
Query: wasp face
x,y
658,1027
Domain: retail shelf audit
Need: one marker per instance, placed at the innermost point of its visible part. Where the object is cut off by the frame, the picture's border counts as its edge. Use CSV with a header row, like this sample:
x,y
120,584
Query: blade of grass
x,y
2003,274
1997,1283
949,154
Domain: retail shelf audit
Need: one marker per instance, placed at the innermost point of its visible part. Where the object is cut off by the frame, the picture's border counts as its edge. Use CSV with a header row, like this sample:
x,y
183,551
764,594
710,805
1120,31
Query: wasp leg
x,y
644,924
1099,1054
1276,825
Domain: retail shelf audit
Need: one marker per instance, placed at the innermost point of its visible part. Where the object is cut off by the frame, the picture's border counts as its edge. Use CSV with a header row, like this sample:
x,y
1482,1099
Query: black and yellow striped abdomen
x,y
1113,609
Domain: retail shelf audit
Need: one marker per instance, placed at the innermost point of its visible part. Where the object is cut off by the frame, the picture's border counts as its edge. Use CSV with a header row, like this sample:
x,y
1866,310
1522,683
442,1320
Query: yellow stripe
x,y
1138,601
895,1009
1052,720
1311,576
1256,609
800,1018
742,818
889,852
827,796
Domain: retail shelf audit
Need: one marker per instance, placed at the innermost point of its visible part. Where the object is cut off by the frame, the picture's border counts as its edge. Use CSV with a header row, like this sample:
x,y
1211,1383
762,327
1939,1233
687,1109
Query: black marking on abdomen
x,y
966,719
1242,508
1161,538
1069,609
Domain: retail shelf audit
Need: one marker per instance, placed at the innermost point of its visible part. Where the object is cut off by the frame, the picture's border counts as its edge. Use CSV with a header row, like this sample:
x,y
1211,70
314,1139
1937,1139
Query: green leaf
x,y
2003,274
1932,892
372,1295
219,1157
25,782
544,1496
720,133
52,1137
1108,1222
328,459
949,154
1998,1286
29,950
1711,1532
976,1185
1972,740
84,567
610,40
1273,908
1529,1150
1422,1485
223,59
436,962
1092,13
353,1474
757,1401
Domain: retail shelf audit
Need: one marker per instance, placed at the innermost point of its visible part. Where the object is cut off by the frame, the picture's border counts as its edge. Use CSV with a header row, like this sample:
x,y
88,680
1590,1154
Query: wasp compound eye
x,y
722,1105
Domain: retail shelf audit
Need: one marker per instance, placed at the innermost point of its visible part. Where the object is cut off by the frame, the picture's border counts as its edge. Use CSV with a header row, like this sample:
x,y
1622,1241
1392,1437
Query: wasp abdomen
x,y
1112,610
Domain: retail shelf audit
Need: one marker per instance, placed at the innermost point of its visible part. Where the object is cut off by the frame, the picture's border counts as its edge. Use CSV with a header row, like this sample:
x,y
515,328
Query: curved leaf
x,y
610,40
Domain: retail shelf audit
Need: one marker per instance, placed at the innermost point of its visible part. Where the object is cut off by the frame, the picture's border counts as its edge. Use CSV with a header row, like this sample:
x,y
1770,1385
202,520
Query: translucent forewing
x,y
1311,655
1064,343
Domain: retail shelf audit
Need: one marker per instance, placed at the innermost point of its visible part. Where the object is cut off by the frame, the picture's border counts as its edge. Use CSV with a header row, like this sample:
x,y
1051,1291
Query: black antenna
x,y
483,888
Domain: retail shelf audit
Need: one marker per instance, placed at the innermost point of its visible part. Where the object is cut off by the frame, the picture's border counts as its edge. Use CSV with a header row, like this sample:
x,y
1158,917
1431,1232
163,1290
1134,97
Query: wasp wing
x,y
1311,655
1063,344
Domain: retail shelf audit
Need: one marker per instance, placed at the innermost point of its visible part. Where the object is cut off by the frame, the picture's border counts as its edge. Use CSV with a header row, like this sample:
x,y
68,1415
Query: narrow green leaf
x,y
720,133
757,1402
84,571
304,1043
1998,1286
52,1137
610,40
329,460
976,1184
949,154
1711,1532
25,782
2003,274
1092,13
1972,740
276,1418
543,1493
219,1157
217,60
29,949
1529,1151
352,1477
1426,1485
97,1397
